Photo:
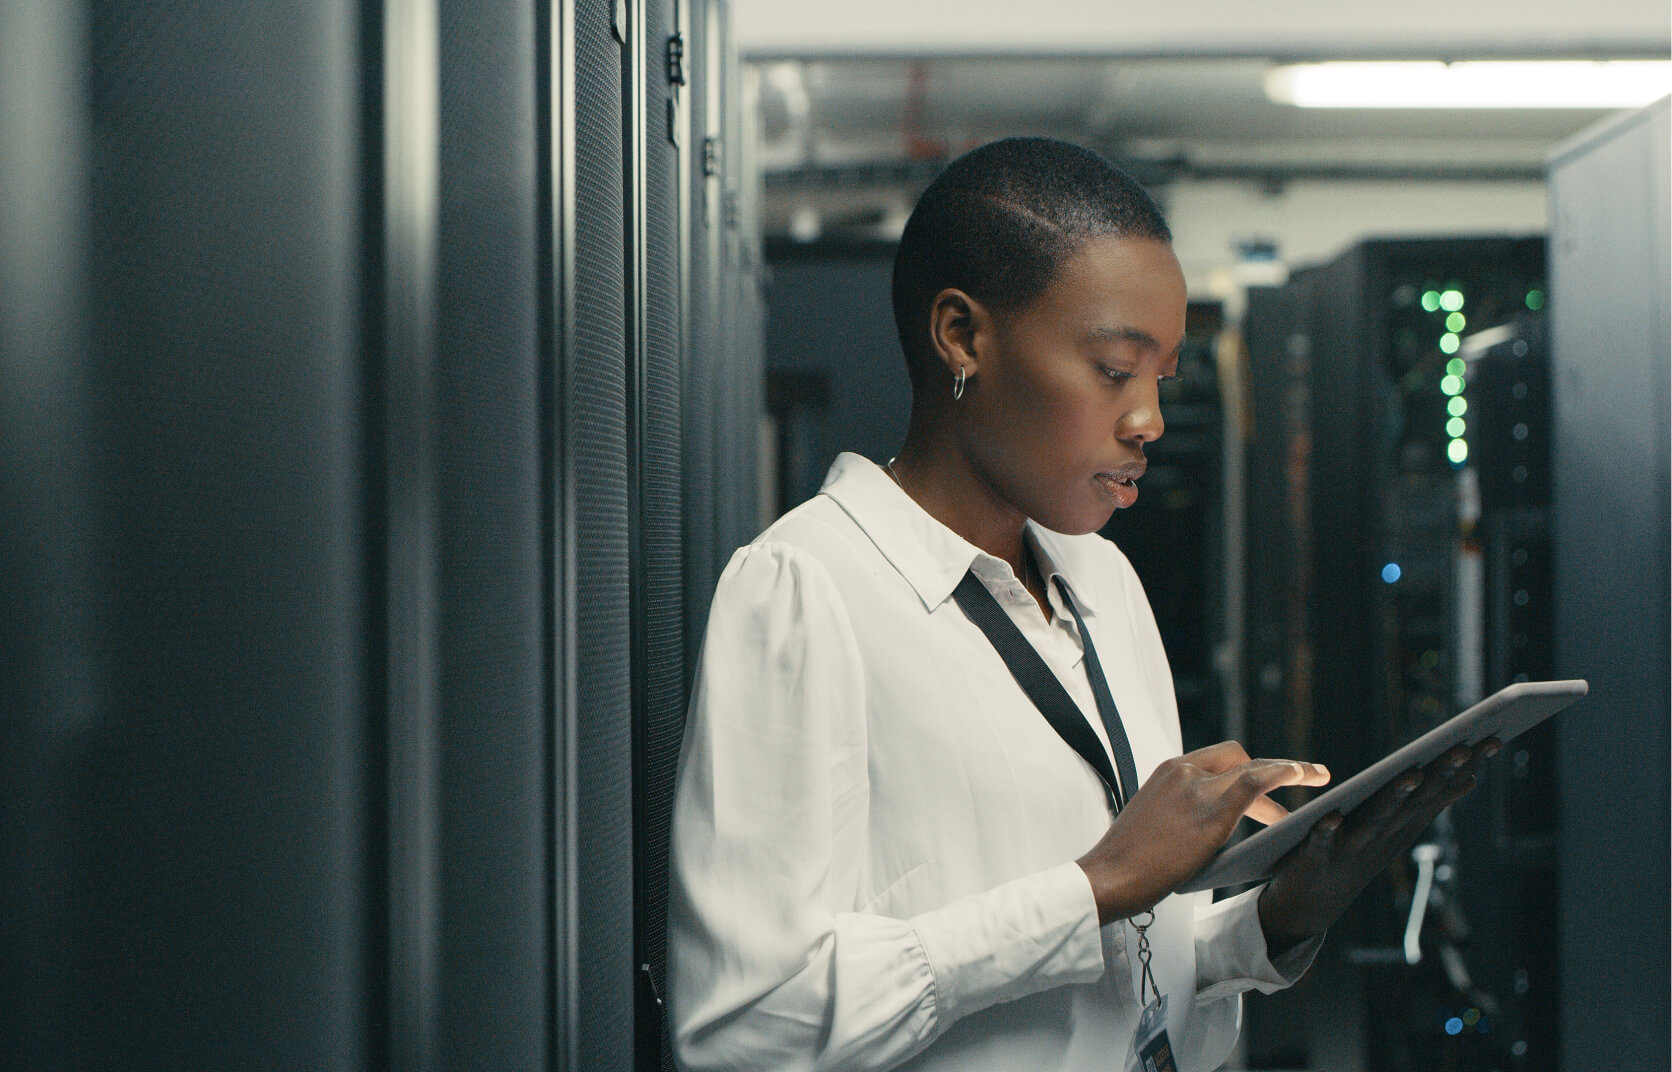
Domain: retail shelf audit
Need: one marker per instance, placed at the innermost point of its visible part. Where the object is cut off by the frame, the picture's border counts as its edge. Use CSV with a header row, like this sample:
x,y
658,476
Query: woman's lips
x,y
1120,484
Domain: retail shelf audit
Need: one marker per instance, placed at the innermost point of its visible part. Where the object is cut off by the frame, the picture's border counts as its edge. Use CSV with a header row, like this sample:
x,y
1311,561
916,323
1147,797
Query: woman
x,y
884,854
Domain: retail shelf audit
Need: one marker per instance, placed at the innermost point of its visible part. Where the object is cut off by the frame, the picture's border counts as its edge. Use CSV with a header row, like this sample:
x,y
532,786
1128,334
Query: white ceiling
x,y
1296,28
1117,100
861,101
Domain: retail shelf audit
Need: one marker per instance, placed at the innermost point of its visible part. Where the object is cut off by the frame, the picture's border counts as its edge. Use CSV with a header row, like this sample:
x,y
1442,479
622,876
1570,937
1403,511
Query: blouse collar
x,y
931,557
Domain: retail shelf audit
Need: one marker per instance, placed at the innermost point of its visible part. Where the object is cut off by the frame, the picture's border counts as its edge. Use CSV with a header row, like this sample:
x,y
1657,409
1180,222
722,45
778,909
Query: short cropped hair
x,y
999,222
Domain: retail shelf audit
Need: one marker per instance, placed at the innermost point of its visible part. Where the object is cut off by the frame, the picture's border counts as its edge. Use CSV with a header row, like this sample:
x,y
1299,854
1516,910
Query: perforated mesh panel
x,y
595,420
236,401
660,672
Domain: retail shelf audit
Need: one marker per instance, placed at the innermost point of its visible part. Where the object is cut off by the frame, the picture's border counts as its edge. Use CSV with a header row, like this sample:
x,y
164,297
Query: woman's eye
x,y
1119,376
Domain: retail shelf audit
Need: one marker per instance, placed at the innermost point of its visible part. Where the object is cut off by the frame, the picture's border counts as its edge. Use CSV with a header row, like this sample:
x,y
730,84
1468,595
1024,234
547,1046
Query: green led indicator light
x,y
1451,300
1431,300
1458,451
1455,427
1457,366
1457,406
1455,322
1449,343
1535,300
1452,385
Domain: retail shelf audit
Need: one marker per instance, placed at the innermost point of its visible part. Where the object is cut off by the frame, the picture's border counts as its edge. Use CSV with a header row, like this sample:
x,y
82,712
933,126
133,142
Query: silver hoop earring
x,y
958,388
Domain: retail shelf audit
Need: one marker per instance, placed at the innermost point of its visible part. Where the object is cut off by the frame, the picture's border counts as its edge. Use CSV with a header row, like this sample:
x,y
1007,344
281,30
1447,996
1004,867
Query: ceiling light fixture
x,y
1471,84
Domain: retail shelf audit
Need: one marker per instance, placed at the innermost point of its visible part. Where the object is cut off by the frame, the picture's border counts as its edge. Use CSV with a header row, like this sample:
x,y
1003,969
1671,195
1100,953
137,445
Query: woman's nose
x,y
1143,423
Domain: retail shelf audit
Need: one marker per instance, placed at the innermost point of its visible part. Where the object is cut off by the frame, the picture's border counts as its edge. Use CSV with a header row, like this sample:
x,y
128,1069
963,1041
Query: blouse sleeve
x,y
770,966
1231,954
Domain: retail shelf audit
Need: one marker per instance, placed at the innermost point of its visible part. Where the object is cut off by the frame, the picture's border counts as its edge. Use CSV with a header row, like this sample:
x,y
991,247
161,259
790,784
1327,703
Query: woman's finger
x,y
1250,781
1266,811
1409,804
1388,807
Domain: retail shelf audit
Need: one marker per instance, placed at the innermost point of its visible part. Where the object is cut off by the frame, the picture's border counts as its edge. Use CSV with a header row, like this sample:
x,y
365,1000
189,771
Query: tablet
x,y
1503,715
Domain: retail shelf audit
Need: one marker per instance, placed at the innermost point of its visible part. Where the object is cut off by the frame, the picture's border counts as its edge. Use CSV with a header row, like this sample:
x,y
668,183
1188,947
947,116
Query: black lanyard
x,y
1029,669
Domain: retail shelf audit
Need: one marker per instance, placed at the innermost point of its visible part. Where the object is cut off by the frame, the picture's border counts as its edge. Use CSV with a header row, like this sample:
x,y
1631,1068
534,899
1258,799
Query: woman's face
x,y
1066,389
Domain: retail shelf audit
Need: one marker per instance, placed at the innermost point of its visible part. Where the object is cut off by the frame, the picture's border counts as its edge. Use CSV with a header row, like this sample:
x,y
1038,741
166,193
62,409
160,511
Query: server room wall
x,y
348,356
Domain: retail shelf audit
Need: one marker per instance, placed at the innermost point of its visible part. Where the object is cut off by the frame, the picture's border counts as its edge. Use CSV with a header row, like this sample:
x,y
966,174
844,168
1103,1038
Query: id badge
x,y
1152,1051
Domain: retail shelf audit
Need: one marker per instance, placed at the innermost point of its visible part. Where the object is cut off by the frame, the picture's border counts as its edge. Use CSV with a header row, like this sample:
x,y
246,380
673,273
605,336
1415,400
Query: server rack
x,y
698,126
342,437
1354,647
724,379
1506,831
1610,198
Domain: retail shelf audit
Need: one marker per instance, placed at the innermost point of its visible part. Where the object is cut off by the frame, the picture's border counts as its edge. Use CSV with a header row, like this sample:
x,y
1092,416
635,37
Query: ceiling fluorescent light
x,y
1472,84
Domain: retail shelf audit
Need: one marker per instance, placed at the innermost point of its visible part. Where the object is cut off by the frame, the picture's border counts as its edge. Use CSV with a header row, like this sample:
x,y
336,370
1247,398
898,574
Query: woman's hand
x,y
1322,875
1180,818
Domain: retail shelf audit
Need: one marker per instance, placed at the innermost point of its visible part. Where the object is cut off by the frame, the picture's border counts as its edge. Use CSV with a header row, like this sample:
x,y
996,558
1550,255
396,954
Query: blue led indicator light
x,y
1390,572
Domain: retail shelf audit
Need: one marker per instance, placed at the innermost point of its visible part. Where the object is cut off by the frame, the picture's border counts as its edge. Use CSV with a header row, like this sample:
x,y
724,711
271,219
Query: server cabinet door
x,y
1609,503
181,822
494,546
595,882
653,105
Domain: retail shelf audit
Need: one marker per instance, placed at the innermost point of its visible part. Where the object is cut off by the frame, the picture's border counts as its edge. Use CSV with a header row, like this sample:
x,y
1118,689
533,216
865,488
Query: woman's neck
x,y
942,481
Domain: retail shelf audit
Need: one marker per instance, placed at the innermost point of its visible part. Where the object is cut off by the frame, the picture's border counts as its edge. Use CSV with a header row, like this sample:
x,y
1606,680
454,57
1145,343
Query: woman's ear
x,y
958,330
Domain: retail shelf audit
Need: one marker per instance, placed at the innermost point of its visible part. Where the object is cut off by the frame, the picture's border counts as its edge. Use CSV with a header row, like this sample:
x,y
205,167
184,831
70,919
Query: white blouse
x,y
875,830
